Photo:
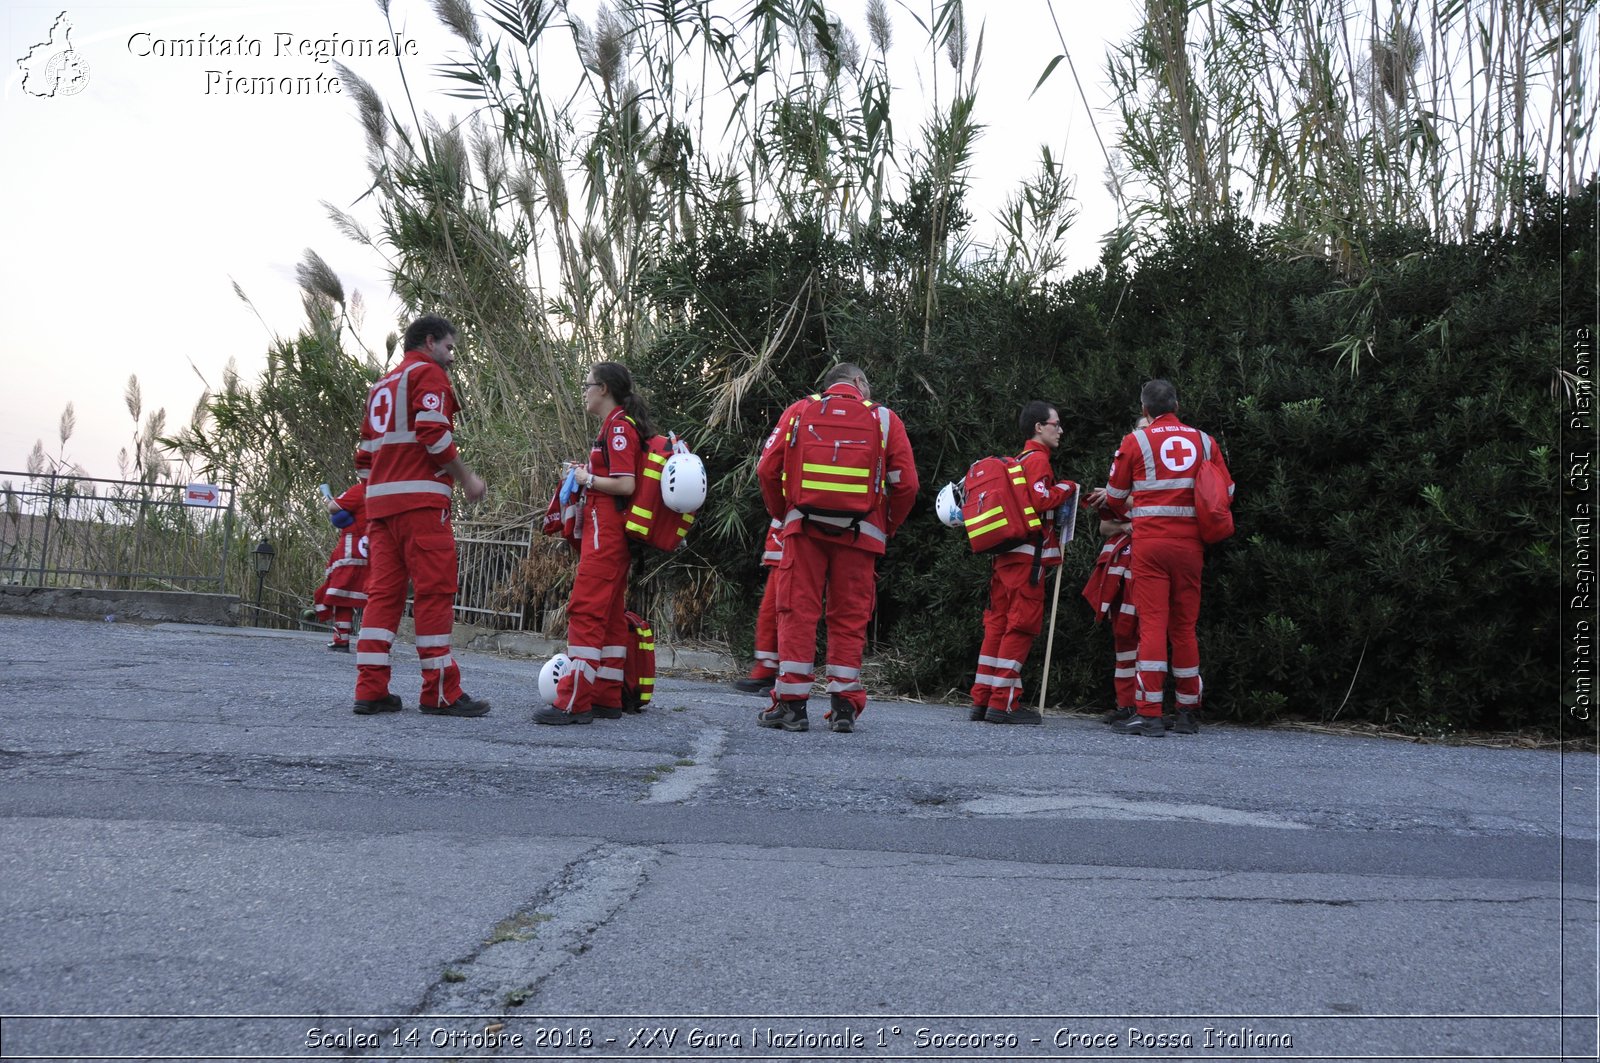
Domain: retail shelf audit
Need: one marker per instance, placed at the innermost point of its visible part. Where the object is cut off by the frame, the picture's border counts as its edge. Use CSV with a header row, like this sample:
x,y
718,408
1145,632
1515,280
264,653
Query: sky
x,y
135,203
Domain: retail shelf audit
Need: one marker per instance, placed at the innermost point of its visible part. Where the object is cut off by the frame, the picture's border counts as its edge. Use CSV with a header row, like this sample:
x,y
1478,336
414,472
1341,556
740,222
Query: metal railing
x,y
77,531
489,560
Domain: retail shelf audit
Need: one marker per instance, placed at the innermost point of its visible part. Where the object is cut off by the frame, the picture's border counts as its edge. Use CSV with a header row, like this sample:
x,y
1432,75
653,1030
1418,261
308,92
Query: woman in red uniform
x,y
596,628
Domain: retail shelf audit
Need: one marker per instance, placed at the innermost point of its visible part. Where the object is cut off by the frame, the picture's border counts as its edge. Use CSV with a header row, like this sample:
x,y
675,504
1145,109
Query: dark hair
x,y
619,384
1158,397
426,327
843,373
1035,412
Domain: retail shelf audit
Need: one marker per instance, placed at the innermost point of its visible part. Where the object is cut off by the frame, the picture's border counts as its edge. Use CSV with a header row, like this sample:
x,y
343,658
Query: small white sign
x,y
202,495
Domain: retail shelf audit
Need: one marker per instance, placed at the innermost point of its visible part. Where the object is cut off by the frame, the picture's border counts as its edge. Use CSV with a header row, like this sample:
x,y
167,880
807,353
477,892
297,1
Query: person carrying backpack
x,y
1153,483
837,471
597,625
1016,583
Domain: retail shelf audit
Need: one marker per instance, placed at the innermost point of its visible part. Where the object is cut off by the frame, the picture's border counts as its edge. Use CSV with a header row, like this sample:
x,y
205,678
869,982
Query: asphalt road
x,y
205,855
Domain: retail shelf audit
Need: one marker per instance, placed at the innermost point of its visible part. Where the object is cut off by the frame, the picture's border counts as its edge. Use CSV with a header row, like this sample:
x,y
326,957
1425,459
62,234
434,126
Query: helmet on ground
x,y
683,483
551,674
948,505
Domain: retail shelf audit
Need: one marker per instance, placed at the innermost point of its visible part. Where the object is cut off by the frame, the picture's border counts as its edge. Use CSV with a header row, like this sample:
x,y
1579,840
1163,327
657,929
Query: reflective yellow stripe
x,y
1019,480
820,485
688,518
1033,523
647,645
654,474
973,533
981,517
640,528
835,470
644,514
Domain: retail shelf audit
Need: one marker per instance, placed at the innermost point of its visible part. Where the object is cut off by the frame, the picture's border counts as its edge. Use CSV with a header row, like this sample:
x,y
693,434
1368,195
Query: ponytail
x,y
619,382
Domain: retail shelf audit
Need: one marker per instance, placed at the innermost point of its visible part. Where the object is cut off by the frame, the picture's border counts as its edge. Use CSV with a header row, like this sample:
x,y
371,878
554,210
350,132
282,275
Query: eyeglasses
x,y
587,384
1051,424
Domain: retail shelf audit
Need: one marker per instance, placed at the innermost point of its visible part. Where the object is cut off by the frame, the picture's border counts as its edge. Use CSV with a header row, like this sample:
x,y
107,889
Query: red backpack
x,y
639,668
1213,497
998,510
834,466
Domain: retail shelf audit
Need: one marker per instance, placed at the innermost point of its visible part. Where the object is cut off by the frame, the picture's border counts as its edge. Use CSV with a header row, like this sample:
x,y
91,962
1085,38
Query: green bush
x,y
1392,438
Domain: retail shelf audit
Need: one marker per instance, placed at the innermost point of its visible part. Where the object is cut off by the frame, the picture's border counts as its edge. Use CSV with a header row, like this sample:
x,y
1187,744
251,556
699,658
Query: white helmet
x,y
948,505
683,483
551,674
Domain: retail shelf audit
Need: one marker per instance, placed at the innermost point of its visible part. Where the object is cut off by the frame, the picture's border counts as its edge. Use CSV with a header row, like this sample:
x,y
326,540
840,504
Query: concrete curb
x,y
184,607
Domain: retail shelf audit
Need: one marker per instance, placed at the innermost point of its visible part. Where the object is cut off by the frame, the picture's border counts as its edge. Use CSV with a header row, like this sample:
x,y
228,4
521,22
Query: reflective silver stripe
x,y
1188,699
445,442
1152,666
1117,570
894,476
1164,485
583,652
1115,492
1186,673
346,563
1144,448
772,555
1003,683
1128,608
407,487
872,531
609,673
795,667
1001,662
614,651
801,689
425,642
397,437
376,634
1124,673
842,672
764,657
792,516
334,592
362,474
402,398
836,686
583,668
1130,655
1052,553
437,664
371,446
984,679
1161,511
432,417
372,658
775,523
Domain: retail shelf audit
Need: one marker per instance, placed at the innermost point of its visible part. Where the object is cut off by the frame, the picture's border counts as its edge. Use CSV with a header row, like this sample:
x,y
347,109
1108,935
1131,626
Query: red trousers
x,y
1010,624
1125,644
342,617
766,665
597,630
846,577
1166,593
419,545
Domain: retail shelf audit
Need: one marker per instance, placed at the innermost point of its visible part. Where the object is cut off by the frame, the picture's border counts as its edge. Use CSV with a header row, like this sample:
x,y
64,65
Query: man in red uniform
x,y
1109,592
344,585
1016,586
765,671
1152,482
832,558
409,455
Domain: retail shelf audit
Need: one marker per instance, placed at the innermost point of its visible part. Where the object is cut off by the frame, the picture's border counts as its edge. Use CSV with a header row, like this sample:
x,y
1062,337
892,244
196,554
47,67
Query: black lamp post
x,y
263,556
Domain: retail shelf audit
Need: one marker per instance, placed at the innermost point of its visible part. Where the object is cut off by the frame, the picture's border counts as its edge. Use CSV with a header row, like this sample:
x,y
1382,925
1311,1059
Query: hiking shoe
x,y
1118,714
339,647
789,715
751,685
556,718
1147,726
1017,715
606,712
1184,723
976,713
387,703
465,705
841,715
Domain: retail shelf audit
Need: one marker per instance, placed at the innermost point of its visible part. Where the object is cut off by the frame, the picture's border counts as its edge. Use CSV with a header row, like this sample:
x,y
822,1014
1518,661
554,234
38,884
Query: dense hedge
x,y
1396,555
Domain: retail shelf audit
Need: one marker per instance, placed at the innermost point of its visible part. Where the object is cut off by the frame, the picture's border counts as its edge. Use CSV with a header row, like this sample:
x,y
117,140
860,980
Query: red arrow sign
x,y
201,495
